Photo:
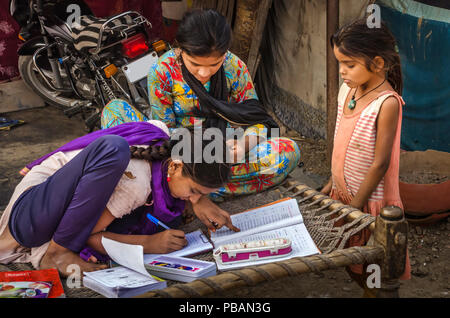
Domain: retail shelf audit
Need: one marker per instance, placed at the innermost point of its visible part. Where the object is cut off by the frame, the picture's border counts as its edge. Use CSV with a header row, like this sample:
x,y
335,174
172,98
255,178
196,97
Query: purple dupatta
x,y
136,133
165,207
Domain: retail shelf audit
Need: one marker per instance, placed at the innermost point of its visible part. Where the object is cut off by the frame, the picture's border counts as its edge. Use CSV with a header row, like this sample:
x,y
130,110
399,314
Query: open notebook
x,y
127,280
280,219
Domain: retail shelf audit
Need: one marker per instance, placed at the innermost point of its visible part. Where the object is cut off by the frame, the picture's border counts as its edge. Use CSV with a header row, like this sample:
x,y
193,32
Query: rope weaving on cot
x,y
320,220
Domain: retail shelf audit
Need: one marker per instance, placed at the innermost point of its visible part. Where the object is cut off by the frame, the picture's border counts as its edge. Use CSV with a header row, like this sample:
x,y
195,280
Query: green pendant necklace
x,y
352,103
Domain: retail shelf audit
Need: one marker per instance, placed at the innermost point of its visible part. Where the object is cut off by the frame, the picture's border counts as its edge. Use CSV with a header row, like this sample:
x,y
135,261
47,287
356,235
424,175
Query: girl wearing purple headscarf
x,y
97,185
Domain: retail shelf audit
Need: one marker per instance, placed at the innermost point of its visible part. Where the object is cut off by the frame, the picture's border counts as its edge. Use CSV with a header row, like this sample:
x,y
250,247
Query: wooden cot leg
x,y
391,231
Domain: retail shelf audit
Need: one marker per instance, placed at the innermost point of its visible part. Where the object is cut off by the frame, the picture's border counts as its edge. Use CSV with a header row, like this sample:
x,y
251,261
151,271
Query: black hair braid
x,y
208,174
394,76
151,153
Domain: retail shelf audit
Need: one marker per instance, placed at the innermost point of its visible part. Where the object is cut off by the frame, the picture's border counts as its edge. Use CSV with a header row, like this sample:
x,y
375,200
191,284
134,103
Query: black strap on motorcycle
x,y
86,34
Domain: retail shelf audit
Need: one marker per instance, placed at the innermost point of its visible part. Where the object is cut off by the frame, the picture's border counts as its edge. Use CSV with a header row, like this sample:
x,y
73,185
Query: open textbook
x,y
280,219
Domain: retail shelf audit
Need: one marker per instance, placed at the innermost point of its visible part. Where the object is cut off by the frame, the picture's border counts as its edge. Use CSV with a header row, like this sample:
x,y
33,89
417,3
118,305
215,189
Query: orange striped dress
x,y
354,153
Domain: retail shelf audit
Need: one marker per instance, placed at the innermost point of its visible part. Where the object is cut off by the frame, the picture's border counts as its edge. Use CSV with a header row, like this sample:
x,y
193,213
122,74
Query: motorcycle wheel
x,y
34,80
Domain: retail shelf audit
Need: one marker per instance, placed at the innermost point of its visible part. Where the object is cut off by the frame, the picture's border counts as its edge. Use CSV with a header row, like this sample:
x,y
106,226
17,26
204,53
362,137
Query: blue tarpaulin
x,y
423,37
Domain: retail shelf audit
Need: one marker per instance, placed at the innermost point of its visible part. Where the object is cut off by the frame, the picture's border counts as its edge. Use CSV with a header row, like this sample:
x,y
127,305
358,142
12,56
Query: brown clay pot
x,y
428,202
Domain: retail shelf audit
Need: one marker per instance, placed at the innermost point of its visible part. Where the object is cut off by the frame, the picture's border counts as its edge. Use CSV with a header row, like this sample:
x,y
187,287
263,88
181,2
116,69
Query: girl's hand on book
x,y
212,216
165,242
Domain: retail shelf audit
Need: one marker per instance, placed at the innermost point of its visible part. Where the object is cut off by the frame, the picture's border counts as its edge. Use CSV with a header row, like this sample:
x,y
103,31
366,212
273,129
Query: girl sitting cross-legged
x,y
200,82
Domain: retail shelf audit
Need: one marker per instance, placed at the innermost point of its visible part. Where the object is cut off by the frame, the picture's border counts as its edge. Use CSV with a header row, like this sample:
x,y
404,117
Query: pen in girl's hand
x,y
156,221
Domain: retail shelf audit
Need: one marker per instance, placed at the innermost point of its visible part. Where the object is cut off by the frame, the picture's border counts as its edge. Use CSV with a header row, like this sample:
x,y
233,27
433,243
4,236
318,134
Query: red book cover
x,y
44,275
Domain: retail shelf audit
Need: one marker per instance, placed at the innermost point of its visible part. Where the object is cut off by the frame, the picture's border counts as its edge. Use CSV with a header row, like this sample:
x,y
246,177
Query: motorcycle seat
x,y
87,33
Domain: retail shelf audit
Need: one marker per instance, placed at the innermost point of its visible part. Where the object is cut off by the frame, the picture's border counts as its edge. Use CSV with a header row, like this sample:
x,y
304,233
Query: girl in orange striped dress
x,y
366,151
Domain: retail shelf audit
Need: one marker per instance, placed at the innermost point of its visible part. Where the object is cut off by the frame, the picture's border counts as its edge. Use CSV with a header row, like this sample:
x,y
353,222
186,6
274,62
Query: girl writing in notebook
x,y
365,159
90,188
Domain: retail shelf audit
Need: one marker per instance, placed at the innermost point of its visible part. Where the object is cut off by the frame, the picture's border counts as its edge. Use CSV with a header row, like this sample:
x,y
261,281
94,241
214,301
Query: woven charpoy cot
x,y
320,213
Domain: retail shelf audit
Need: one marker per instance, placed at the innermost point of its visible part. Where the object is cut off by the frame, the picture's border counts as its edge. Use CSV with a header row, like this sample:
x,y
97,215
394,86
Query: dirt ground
x,y
429,246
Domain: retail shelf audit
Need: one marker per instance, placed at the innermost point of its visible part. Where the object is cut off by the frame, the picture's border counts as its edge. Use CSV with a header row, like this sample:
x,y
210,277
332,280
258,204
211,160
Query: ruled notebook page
x,y
261,219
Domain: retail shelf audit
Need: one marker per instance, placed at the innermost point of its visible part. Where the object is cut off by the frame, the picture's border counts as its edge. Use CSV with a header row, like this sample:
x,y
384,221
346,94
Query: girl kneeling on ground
x,y
90,188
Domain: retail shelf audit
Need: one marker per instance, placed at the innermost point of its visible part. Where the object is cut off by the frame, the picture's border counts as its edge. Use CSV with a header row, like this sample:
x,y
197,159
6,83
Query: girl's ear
x,y
377,64
175,166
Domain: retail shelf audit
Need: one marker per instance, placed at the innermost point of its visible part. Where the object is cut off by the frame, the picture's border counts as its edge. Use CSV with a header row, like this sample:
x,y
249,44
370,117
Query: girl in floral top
x,y
201,83
173,100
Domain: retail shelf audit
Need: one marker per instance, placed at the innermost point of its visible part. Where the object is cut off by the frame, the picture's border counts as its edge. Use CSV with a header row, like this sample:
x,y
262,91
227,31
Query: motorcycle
x,y
81,66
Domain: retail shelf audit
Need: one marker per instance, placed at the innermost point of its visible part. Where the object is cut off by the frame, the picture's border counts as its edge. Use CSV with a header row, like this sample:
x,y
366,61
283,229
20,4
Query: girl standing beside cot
x,y
366,150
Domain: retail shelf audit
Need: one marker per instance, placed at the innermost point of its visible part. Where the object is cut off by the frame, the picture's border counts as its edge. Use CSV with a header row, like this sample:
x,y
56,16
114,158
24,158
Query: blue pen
x,y
156,221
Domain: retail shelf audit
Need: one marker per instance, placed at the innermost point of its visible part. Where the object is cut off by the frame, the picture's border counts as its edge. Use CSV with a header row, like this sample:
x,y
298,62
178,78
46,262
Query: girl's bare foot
x,y
60,258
